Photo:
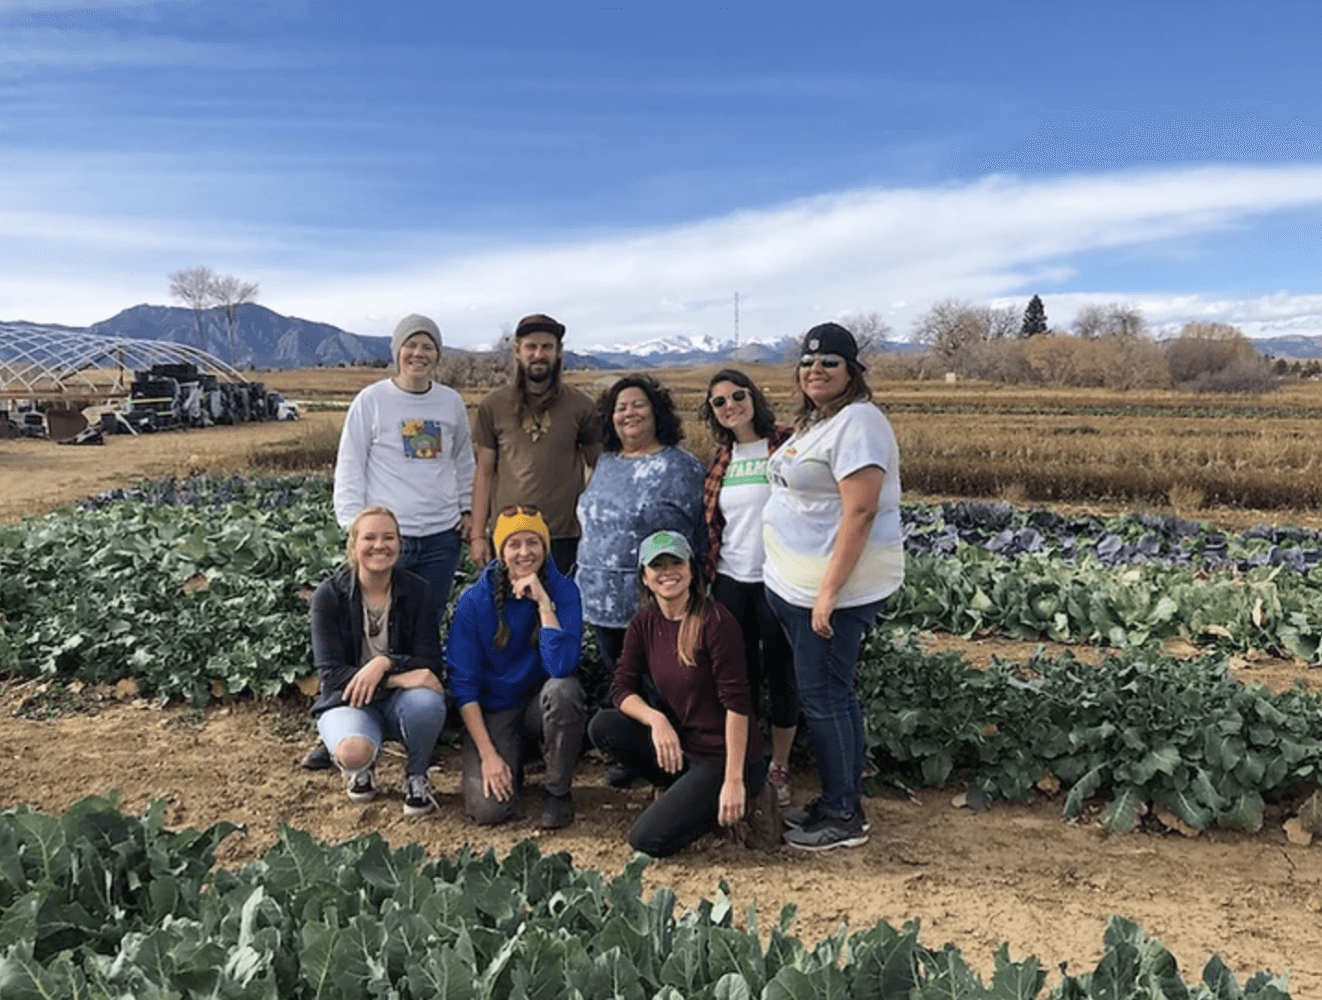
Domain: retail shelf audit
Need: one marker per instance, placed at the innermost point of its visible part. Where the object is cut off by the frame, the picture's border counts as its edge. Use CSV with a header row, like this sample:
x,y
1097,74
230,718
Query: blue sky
x,y
630,167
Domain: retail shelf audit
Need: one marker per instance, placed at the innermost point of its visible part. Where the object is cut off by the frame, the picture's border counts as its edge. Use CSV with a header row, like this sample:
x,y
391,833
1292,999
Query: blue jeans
x,y
435,558
825,671
412,716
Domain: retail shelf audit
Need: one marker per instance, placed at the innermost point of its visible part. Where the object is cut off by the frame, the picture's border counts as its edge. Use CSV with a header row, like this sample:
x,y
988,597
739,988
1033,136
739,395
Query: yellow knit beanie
x,y
520,518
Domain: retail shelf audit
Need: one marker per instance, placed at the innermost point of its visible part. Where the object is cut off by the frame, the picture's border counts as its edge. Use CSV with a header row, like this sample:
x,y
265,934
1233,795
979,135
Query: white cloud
x,y
894,251
91,6
797,263
30,49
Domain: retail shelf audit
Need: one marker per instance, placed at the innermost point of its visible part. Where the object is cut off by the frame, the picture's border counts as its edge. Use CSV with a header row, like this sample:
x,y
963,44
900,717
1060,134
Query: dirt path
x,y
38,475
1016,873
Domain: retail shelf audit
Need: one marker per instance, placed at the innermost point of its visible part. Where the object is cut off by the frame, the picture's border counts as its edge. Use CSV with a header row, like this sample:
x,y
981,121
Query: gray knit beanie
x,y
407,327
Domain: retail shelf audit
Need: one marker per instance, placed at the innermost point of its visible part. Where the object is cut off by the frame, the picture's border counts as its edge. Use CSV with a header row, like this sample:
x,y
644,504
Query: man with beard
x,y
536,438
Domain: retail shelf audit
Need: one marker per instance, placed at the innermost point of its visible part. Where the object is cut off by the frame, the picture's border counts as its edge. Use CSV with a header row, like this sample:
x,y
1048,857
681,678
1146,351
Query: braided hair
x,y
504,590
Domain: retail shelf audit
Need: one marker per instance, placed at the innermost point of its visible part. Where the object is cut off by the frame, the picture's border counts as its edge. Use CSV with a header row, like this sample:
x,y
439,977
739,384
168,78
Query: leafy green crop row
x,y
95,904
1140,728
1037,597
181,598
199,587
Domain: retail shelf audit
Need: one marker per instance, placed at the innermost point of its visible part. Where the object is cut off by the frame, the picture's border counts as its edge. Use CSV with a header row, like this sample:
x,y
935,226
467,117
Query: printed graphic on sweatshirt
x,y
747,472
422,438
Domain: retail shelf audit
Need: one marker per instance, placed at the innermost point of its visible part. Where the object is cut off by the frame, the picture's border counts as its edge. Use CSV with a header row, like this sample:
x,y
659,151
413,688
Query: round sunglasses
x,y
718,402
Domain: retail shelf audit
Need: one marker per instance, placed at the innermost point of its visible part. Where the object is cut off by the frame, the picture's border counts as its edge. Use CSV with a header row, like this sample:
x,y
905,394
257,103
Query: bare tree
x,y
869,330
195,287
1090,322
951,326
1003,323
229,293
1115,319
1218,357
1127,320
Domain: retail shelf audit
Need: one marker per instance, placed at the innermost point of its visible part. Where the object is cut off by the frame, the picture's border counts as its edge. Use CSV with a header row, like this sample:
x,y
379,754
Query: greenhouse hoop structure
x,y
77,368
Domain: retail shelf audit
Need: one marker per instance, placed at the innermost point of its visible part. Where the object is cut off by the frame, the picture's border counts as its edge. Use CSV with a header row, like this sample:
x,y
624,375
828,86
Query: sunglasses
x,y
526,509
827,361
739,395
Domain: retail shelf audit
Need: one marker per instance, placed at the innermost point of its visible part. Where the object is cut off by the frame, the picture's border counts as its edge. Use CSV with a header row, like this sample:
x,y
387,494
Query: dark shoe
x,y
361,786
418,797
557,811
619,775
759,830
798,818
826,833
317,759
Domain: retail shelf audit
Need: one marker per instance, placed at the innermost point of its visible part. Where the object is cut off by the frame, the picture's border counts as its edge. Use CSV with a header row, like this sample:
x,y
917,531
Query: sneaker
x,y
619,775
557,811
362,786
317,759
798,818
418,797
825,833
778,777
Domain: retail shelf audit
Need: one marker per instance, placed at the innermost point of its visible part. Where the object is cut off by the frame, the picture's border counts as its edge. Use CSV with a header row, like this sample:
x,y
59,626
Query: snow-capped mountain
x,y
681,350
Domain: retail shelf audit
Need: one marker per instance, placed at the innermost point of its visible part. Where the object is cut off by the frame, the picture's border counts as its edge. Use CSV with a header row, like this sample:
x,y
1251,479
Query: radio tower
x,y
736,323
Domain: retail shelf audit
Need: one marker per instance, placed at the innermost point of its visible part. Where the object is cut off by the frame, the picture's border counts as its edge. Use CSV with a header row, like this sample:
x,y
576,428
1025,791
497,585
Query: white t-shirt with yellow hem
x,y
802,515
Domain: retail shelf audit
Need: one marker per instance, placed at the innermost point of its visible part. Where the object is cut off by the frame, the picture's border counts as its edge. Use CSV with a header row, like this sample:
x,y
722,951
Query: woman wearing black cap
x,y
834,554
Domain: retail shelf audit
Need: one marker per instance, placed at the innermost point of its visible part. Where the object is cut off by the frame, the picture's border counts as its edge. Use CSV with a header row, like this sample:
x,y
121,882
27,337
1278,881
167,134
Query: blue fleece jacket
x,y
500,679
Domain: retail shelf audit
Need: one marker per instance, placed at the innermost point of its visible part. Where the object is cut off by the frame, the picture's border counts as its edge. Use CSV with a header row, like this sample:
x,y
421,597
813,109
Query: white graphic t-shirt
x,y
744,492
802,516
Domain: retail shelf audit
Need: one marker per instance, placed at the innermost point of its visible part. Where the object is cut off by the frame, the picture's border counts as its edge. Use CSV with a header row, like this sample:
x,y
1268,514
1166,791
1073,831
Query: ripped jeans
x,y
413,716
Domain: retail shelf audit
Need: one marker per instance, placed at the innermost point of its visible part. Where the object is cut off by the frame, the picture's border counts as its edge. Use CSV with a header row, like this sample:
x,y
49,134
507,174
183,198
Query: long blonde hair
x,y
352,541
695,609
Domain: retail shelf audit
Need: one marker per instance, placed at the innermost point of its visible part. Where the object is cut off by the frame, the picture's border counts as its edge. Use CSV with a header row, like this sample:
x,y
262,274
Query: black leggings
x,y
766,650
691,805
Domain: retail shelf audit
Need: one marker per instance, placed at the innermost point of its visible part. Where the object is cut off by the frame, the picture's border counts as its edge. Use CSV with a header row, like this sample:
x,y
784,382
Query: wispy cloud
x,y
85,6
33,48
892,251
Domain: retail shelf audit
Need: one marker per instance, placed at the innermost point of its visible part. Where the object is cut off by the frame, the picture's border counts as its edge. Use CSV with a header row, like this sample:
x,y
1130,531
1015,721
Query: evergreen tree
x,y
1035,318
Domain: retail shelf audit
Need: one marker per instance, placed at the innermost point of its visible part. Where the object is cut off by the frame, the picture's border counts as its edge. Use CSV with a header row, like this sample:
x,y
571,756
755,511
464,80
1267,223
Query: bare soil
x,y
1016,873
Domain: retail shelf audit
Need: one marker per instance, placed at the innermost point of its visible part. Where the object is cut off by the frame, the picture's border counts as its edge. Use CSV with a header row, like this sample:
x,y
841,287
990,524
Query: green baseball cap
x,y
664,543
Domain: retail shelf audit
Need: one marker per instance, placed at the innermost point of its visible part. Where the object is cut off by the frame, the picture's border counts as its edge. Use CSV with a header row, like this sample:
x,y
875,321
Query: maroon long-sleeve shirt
x,y
697,697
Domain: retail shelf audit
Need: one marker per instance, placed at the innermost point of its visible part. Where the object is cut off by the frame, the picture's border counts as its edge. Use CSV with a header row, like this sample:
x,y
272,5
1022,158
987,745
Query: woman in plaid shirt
x,y
733,495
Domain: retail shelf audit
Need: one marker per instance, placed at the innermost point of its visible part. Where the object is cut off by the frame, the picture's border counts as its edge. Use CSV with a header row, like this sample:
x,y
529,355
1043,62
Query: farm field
x,y
1015,873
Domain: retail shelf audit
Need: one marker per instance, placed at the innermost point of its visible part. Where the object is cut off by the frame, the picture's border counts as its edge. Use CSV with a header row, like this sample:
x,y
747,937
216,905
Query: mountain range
x,y
265,339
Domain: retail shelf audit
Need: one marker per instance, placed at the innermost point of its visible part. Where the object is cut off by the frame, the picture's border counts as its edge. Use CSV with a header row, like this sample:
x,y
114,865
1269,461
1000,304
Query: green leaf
x,y
1244,813
732,986
1084,788
824,983
884,961
1122,812
441,974
1164,760
1015,980
22,977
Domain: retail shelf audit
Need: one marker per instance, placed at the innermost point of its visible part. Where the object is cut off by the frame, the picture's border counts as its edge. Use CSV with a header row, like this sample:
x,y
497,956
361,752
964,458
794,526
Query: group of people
x,y
705,588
